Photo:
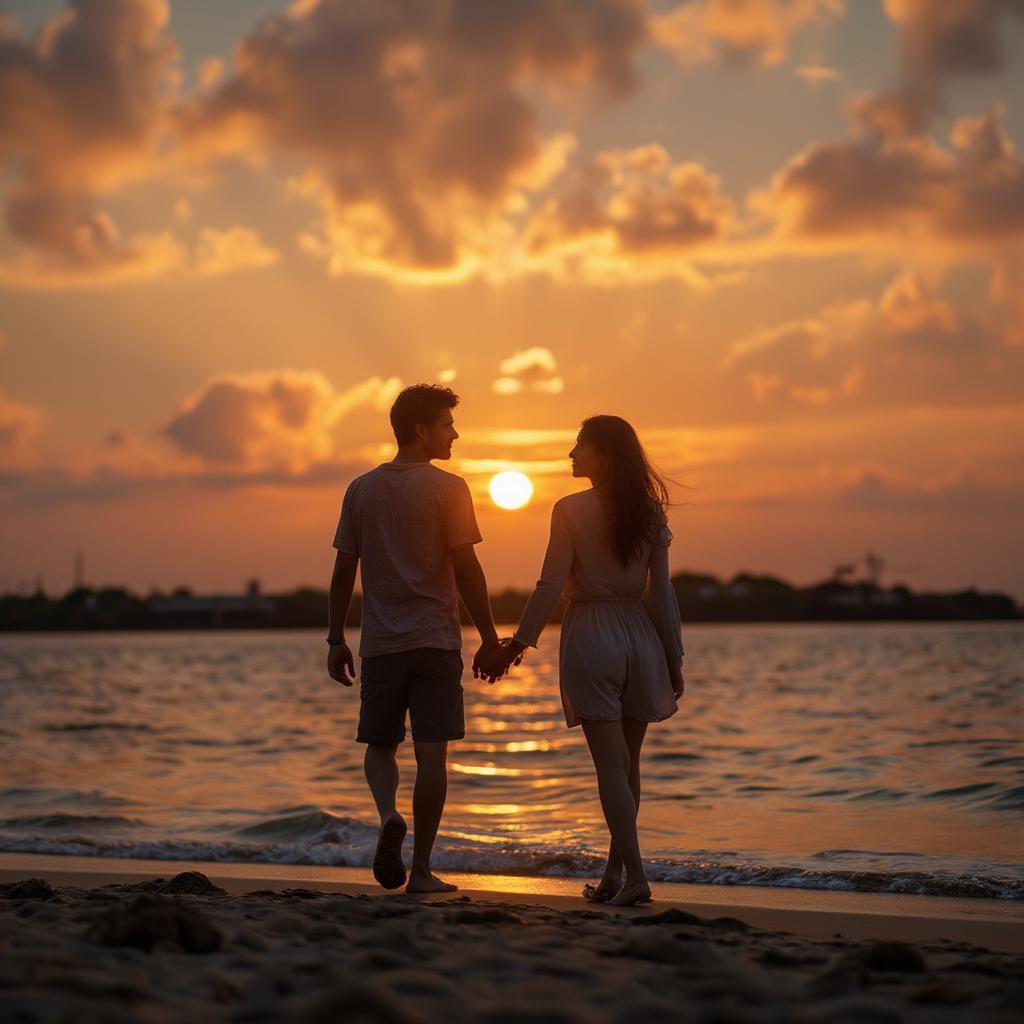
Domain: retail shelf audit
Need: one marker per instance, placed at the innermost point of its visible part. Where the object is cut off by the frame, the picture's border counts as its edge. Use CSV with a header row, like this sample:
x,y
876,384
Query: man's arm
x,y
472,584
339,600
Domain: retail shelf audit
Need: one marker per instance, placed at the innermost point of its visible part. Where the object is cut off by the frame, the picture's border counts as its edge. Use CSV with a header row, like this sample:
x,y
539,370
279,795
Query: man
x,y
413,527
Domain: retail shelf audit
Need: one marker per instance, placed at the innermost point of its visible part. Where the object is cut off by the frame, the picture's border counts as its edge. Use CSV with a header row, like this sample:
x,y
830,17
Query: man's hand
x,y
341,664
675,674
493,659
488,663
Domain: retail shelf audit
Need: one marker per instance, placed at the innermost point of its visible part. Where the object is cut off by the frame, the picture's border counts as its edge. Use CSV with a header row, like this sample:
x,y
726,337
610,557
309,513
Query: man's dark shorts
x,y
426,682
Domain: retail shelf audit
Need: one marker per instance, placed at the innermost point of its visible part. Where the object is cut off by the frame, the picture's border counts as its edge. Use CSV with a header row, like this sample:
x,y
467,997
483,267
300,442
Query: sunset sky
x,y
784,238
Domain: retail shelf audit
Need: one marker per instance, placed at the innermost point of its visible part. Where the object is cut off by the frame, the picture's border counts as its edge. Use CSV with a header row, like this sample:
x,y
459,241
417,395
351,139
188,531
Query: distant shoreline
x,y
702,598
258,628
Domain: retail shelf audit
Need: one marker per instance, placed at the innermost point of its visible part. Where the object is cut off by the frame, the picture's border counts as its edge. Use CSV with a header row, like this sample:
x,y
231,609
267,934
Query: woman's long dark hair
x,y
637,495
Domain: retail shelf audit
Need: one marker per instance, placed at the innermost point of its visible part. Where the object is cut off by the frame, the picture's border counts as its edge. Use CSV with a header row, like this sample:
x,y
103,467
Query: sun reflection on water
x,y
485,769
494,808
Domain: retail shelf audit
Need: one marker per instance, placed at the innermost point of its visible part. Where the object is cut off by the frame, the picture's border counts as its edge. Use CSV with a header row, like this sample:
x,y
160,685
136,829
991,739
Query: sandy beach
x,y
129,944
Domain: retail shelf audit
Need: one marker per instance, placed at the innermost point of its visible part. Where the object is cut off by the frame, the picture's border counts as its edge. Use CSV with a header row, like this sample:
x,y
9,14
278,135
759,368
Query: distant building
x,y
184,609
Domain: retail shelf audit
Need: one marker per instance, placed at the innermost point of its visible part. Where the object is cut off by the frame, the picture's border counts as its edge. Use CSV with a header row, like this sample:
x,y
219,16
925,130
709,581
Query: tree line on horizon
x,y
702,597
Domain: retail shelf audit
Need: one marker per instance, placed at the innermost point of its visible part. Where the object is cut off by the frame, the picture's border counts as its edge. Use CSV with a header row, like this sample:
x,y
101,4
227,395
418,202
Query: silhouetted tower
x,y
78,573
875,564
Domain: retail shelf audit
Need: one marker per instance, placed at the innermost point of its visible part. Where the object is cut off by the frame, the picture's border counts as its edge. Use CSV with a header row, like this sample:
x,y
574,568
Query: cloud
x,y
57,486
911,348
911,308
18,427
796,363
413,117
116,439
277,420
739,30
1008,289
237,248
959,490
82,111
143,258
815,73
532,369
937,40
147,258
908,195
630,213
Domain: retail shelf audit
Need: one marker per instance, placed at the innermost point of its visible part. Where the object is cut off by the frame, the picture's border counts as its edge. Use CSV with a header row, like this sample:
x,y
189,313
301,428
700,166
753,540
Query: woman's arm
x,y
662,606
553,576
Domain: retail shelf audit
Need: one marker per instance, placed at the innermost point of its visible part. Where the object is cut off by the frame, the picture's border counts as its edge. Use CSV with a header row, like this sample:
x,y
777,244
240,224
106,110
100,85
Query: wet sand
x,y
133,945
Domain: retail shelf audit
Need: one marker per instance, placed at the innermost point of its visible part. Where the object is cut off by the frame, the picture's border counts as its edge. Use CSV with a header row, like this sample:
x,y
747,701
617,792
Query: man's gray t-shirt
x,y
402,519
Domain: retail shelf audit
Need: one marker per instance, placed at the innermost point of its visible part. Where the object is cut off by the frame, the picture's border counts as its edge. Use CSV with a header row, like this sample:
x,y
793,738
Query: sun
x,y
510,489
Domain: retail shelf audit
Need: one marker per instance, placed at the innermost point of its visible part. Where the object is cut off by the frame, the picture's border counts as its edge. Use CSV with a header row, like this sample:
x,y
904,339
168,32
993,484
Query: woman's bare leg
x,y
610,753
634,733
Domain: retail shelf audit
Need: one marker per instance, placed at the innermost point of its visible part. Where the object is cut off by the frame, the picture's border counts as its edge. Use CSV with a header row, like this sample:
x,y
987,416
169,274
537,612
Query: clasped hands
x,y
495,658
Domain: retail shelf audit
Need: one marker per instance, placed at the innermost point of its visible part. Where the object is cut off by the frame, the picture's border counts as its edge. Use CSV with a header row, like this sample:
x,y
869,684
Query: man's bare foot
x,y
419,883
632,894
388,868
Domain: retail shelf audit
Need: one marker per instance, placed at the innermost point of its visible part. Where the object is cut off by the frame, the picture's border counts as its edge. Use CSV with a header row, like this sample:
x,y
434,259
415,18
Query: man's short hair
x,y
419,403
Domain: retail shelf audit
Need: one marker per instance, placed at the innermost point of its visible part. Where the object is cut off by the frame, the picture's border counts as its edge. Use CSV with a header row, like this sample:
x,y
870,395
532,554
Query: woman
x,y
621,650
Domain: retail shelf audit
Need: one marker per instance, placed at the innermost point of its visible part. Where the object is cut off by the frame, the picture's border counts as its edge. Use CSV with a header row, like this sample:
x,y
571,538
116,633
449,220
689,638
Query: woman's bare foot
x,y
609,885
632,894
420,883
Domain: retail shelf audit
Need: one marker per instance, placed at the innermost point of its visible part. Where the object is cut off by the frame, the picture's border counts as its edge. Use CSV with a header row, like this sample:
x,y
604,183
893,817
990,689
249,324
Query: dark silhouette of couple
x,y
413,528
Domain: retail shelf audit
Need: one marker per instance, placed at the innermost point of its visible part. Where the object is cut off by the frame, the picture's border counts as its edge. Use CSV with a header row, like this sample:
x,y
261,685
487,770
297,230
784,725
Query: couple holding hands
x,y
413,528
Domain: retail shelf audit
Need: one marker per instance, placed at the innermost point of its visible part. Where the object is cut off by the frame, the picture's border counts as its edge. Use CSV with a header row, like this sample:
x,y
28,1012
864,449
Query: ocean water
x,y
886,758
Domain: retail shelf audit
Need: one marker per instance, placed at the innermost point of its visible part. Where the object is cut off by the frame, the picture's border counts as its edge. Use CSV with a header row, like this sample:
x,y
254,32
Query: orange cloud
x,y
815,73
958,490
911,348
273,420
936,40
144,257
237,248
744,30
1008,289
631,213
909,306
18,426
533,368
413,119
907,194
82,111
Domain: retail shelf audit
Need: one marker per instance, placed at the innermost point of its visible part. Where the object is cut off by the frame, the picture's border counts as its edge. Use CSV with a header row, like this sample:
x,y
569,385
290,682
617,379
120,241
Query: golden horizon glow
x,y
510,489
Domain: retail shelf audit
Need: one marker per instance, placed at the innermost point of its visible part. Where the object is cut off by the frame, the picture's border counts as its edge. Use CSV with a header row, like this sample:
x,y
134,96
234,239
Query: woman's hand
x,y
675,674
514,651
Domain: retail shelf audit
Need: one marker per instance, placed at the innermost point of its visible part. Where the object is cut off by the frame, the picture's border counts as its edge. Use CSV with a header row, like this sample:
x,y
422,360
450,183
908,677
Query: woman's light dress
x,y
621,628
